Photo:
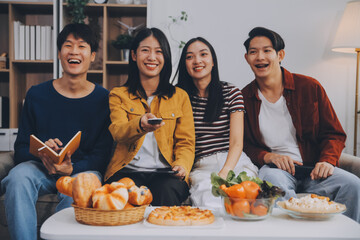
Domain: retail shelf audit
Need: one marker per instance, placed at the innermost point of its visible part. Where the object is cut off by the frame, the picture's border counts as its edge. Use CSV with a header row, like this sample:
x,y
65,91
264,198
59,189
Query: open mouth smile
x,y
198,69
151,66
260,66
74,61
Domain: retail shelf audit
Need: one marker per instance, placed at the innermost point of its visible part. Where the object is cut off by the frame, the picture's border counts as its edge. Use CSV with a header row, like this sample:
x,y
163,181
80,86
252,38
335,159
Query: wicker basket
x,y
98,217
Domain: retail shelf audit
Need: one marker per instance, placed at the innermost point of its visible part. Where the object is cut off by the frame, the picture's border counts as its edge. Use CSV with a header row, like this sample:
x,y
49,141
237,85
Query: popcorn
x,y
313,203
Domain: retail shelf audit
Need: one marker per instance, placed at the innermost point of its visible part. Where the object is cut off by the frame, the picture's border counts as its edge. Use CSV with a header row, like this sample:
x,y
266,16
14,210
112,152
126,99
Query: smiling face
x,y
149,58
199,61
262,57
75,56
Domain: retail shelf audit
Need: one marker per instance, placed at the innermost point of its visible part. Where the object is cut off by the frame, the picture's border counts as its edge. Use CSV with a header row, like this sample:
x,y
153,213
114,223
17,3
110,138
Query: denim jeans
x,y
24,184
342,187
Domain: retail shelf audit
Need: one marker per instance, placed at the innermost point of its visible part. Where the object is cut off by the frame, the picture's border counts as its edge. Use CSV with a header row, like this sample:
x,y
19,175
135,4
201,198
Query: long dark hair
x,y
133,83
215,99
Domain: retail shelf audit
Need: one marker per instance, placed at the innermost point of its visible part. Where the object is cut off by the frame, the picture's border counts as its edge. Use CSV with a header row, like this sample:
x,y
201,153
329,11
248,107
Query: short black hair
x,y
165,88
79,30
275,38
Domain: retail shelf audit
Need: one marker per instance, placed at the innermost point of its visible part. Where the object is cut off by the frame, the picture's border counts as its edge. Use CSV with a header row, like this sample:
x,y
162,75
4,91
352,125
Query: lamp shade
x,y
347,38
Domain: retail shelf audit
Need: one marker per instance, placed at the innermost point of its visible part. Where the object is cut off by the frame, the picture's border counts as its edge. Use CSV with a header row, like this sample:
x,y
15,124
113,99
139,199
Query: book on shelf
x,y
37,146
32,42
37,42
21,42
4,112
48,38
27,42
16,39
43,43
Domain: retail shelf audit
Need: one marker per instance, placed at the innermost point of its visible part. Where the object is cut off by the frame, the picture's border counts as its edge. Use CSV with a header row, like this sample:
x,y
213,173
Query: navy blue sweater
x,y
48,114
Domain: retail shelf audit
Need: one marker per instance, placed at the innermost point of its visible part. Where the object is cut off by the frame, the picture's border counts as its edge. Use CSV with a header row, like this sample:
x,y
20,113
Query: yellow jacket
x,y
176,139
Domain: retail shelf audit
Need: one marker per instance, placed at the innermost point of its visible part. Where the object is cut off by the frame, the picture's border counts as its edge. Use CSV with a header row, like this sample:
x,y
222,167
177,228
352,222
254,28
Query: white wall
x,y
307,27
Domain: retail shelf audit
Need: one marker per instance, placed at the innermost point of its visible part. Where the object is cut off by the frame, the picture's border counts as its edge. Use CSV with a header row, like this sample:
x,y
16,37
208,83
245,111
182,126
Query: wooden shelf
x,y
117,62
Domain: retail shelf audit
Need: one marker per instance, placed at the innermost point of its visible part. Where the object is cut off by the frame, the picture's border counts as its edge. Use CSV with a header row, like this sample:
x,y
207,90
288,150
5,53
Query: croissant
x,y
112,196
83,187
64,185
140,195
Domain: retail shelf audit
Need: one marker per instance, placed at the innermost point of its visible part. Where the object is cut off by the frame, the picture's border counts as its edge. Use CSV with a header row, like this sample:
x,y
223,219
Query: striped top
x,y
214,137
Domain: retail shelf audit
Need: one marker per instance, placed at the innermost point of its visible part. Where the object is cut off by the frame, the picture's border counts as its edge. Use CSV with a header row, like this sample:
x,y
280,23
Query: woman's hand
x,y
224,172
147,127
181,173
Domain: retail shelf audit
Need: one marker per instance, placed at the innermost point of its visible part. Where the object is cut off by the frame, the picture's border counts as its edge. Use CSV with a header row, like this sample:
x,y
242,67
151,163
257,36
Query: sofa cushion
x,y
6,164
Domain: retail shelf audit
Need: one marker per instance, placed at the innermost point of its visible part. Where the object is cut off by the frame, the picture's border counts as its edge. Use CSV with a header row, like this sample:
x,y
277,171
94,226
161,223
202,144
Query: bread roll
x,y
112,196
83,187
128,182
140,196
64,185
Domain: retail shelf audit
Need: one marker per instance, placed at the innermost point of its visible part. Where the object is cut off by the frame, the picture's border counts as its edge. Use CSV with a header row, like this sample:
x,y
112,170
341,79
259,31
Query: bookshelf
x,y
20,75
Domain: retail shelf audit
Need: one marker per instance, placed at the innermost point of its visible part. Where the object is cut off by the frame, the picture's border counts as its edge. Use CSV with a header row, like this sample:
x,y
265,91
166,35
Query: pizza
x,y
180,216
313,203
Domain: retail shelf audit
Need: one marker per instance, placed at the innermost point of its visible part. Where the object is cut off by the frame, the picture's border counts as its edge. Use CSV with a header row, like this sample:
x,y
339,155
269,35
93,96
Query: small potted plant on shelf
x,y
77,10
123,43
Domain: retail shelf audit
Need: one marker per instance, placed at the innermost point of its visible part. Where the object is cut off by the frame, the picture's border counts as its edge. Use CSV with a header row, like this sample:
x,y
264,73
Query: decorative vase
x,y
125,1
124,54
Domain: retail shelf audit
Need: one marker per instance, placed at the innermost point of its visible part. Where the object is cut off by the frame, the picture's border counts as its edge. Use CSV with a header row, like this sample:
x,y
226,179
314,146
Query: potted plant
x,y
123,43
76,10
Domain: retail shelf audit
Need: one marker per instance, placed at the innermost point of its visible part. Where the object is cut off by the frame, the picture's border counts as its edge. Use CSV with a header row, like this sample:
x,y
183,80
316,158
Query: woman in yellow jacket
x,y
143,148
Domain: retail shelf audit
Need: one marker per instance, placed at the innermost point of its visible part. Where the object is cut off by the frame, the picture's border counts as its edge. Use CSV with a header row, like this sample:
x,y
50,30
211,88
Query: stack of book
x,y
32,42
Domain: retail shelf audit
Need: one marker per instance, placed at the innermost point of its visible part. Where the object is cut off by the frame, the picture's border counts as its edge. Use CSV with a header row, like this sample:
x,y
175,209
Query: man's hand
x,y
147,126
54,144
181,172
322,170
65,168
283,162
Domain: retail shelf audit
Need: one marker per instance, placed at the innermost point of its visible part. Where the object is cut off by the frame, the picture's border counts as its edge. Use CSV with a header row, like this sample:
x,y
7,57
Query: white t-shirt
x,y
148,155
277,129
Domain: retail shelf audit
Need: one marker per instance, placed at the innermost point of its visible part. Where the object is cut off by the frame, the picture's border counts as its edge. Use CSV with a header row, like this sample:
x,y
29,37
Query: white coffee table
x,y
63,226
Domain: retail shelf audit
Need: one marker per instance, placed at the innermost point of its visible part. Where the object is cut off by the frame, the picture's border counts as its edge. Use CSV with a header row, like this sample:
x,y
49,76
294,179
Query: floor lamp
x,y
347,40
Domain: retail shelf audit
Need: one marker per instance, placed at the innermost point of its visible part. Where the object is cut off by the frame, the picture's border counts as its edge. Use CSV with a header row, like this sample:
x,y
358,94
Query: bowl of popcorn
x,y
311,206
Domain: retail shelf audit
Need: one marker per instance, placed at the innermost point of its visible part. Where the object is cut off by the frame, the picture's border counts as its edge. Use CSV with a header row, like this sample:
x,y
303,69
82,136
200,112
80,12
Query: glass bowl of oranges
x,y
248,200
245,197
248,209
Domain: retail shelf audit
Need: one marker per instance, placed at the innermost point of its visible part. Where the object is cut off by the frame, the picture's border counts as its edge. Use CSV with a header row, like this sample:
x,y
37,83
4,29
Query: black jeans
x,y
167,190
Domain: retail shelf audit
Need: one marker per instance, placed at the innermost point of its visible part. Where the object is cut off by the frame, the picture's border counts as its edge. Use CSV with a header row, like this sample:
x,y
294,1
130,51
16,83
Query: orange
x,y
228,208
252,189
240,207
235,191
223,187
259,209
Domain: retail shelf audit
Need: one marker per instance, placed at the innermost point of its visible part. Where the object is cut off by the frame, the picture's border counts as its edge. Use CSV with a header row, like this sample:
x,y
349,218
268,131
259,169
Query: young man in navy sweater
x,y
54,111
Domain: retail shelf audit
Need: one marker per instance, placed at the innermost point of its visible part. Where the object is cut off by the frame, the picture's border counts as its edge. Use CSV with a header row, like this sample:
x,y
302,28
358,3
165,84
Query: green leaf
x,y
230,176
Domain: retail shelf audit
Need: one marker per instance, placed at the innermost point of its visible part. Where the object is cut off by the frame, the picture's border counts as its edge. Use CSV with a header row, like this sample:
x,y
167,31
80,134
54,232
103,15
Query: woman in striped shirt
x,y
218,110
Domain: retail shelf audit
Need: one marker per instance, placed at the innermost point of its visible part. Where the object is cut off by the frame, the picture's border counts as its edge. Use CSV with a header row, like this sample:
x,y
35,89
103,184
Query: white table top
x,y
63,225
